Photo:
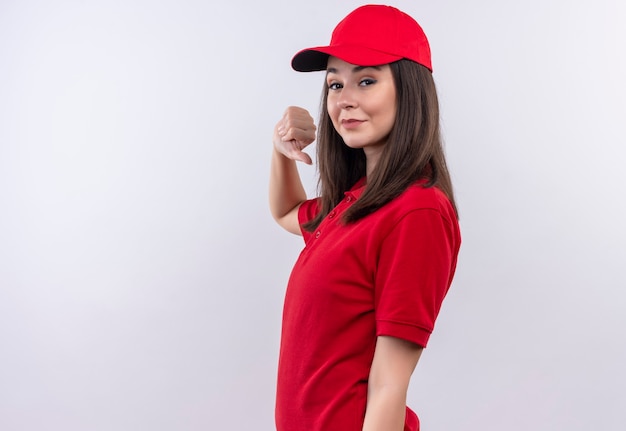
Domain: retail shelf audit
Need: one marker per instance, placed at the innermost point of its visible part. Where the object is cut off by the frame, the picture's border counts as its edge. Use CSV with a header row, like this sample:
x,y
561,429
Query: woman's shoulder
x,y
421,197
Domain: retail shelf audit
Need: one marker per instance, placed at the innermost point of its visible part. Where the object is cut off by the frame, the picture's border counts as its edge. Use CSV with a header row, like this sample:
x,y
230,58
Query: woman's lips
x,y
351,123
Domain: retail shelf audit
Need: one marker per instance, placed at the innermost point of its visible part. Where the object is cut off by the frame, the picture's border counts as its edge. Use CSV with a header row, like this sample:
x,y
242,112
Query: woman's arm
x,y
292,133
394,362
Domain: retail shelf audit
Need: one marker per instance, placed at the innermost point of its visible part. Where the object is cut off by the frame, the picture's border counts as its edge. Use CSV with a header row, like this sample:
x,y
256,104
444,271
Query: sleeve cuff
x,y
405,331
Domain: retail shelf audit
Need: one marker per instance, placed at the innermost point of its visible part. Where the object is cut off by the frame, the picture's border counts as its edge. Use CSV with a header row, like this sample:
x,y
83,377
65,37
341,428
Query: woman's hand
x,y
293,133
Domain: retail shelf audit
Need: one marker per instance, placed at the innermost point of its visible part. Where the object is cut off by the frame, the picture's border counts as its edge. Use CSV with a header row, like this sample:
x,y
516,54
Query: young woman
x,y
381,240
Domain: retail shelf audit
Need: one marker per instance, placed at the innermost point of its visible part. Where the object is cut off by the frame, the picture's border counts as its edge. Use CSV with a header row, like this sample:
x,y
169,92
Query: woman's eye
x,y
334,86
367,81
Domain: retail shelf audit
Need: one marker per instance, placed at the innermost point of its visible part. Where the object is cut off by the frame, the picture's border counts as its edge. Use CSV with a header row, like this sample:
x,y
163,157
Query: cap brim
x,y
314,59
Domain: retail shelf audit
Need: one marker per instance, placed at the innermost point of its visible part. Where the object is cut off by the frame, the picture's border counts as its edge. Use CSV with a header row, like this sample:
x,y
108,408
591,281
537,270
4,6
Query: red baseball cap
x,y
371,35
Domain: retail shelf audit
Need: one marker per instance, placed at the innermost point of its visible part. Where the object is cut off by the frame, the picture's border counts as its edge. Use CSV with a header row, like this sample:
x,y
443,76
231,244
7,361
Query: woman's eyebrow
x,y
360,68
355,69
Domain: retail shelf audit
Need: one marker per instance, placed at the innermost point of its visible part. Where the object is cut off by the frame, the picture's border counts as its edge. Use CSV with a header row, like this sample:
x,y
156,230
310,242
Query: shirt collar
x,y
357,189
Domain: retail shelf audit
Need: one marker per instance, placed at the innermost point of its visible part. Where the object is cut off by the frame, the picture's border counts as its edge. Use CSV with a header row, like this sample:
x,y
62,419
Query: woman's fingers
x,y
297,124
293,133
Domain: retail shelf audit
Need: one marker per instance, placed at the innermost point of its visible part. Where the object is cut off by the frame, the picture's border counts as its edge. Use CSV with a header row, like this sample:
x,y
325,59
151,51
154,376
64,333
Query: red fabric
x,y
370,35
386,274
411,421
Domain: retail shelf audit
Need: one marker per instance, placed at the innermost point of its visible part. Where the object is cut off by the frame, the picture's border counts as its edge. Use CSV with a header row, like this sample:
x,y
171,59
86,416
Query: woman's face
x,y
361,104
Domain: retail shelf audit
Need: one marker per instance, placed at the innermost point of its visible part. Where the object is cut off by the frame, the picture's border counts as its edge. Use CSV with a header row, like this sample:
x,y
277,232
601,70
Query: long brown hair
x,y
413,151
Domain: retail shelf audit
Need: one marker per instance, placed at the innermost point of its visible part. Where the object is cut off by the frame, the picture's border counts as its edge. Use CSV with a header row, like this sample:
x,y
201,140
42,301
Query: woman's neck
x,y
372,155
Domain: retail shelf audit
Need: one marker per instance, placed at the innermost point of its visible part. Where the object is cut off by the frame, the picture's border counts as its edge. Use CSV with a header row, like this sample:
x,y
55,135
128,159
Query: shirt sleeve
x,y
415,268
307,212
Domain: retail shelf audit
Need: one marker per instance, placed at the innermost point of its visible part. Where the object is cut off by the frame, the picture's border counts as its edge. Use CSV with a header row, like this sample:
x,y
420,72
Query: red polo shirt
x,y
386,274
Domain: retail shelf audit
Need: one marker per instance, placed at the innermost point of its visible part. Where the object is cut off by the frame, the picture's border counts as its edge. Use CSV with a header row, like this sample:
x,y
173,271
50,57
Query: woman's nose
x,y
346,99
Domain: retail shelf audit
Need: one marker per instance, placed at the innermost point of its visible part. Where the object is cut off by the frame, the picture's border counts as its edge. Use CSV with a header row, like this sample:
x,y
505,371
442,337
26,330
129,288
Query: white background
x,y
141,276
